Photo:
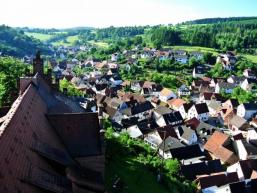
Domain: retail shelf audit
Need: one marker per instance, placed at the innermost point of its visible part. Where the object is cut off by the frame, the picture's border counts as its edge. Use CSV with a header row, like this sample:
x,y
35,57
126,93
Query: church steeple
x,y
38,64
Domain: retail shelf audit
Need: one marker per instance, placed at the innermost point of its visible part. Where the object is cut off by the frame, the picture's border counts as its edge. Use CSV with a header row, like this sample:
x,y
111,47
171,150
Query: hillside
x,y
15,42
220,20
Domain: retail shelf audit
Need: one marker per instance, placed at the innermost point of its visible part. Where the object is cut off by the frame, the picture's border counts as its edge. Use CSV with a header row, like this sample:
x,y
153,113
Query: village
x,y
213,137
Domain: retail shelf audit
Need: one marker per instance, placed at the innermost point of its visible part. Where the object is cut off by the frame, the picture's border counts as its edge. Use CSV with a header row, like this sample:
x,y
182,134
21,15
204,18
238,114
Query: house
x,y
252,135
183,91
244,168
186,154
216,180
248,73
114,114
134,132
238,123
224,87
247,186
207,97
247,110
191,171
217,147
184,108
214,81
166,94
165,116
249,84
168,144
176,103
204,131
114,57
214,108
116,80
199,111
230,104
153,140
151,88
141,111
183,59
237,80
245,150
186,135
137,85
197,55
228,60
200,71
179,52
158,135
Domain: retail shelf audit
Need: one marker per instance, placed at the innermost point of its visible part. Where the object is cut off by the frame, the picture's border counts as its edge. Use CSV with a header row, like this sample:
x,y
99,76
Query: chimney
x,y
38,65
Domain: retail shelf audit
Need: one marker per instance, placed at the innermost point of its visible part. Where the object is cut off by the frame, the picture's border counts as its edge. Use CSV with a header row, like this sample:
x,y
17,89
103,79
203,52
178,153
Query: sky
x,y
105,13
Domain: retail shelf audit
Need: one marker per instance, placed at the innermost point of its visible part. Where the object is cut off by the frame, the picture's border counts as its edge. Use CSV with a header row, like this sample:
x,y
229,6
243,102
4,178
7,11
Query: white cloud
x,y
96,13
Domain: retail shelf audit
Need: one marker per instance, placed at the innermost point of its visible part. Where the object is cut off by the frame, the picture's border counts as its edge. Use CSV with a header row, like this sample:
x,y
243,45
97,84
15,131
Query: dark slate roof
x,y
244,187
187,152
187,106
147,126
171,143
185,132
226,85
250,106
79,132
212,96
218,179
172,117
201,69
207,167
145,106
201,108
248,166
167,131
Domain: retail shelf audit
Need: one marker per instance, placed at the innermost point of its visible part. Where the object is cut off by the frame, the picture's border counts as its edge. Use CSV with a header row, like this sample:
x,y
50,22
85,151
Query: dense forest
x,y
218,20
224,36
15,43
119,32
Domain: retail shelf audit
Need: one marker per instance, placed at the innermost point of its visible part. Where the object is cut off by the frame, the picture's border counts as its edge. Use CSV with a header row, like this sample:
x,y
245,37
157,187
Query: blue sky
x,y
104,13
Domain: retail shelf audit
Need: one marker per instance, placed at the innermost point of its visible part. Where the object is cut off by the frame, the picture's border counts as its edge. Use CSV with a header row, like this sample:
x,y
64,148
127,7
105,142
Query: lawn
x,y
40,36
135,176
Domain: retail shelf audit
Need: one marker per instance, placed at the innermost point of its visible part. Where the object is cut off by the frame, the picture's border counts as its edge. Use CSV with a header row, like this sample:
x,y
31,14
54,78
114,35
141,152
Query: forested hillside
x,y
15,43
240,36
219,20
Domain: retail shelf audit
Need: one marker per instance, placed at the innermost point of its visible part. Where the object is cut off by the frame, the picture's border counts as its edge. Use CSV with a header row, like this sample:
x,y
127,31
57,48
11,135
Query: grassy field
x,y
196,48
252,58
69,41
40,36
134,175
99,44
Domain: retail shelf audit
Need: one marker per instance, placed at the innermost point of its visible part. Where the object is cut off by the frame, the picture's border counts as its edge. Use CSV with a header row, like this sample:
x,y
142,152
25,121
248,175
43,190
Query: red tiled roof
x,y
28,140
215,146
